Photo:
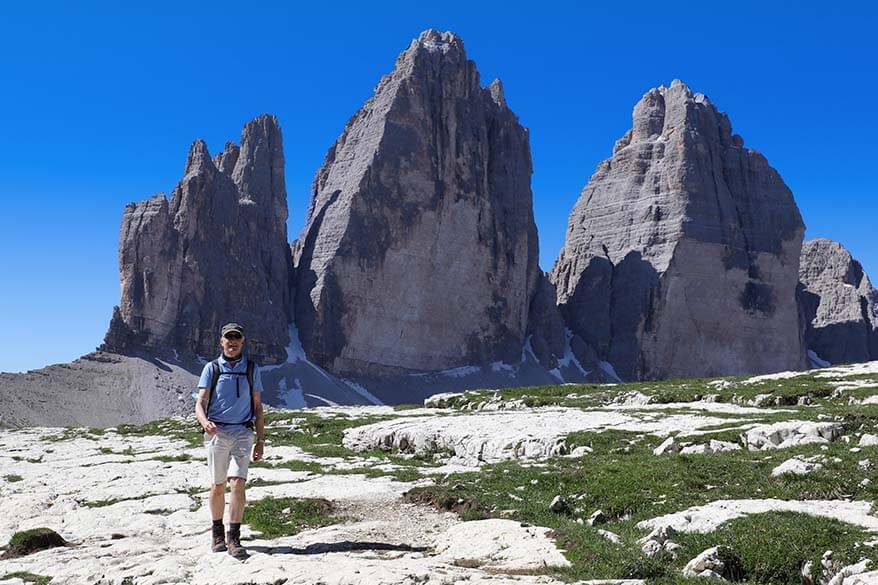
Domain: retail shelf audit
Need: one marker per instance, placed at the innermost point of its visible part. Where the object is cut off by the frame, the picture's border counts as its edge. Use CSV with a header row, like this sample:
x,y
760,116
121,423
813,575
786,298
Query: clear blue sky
x,y
100,102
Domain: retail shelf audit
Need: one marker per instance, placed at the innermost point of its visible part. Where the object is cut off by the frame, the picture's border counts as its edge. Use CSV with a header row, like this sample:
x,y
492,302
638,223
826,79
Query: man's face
x,y
232,343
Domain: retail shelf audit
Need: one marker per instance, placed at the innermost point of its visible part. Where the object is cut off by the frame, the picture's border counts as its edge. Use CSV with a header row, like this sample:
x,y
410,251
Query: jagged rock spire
x,y
839,302
216,252
420,249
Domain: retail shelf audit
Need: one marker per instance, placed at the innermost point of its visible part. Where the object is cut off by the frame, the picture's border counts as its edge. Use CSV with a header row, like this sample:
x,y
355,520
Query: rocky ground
x,y
769,479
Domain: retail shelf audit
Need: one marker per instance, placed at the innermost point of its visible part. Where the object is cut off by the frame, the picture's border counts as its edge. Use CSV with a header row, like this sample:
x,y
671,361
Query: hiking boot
x,y
235,549
219,539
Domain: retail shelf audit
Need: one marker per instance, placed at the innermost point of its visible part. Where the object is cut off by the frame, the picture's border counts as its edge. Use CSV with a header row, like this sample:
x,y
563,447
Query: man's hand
x,y
210,428
257,451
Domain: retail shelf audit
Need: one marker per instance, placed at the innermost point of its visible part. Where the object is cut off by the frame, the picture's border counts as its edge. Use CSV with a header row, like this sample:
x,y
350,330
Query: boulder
x,y
787,434
799,466
681,254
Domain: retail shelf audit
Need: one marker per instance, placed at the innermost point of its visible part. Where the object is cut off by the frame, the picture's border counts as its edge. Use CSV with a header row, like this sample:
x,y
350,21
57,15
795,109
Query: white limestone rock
x,y
502,545
706,564
783,435
713,446
498,436
669,445
799,466
706,518
611,536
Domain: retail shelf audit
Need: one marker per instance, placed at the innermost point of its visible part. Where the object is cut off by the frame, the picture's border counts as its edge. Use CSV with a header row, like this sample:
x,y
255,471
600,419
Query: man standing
x,y
228,404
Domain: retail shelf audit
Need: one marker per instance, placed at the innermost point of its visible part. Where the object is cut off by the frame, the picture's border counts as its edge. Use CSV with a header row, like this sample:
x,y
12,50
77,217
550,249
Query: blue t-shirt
x,y
230,403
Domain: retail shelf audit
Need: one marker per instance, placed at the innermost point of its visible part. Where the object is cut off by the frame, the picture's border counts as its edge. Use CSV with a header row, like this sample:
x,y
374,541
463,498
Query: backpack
x,y
214,380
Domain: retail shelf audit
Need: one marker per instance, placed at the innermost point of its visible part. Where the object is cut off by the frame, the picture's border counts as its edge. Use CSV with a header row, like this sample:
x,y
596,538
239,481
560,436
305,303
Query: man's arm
x,y
201,412
259,445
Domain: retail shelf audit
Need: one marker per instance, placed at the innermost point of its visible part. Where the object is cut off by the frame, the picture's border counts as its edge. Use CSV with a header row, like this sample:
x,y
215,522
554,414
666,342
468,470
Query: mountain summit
x,y
681,254
420,249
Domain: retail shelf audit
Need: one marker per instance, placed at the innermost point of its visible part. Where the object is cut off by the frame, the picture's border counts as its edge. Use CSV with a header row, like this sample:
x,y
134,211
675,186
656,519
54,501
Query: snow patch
x,y
362,391
816,361
502,367
609,370
322,399
292,396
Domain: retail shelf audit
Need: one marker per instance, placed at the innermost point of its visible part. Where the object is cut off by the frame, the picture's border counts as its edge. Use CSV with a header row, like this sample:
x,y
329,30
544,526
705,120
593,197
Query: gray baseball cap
x,y
232,327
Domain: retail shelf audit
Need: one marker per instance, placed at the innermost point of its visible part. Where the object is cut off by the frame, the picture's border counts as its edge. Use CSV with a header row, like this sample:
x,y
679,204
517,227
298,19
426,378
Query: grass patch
x,y
30,541
110,502
628,483
399,407
180,429
12,478
27,577
318,435
172,458
773,547
275,517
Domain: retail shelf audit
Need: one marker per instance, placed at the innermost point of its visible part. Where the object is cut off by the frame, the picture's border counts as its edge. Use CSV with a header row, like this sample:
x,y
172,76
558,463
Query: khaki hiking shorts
x,y
228,454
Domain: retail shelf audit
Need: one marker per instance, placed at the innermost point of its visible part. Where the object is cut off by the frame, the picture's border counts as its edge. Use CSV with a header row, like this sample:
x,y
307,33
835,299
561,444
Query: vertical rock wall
x,y
839,302
420,249
681,254
215,252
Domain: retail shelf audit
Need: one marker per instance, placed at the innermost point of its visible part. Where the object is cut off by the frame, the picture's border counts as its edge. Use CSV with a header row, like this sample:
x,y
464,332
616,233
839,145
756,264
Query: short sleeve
x,y
257,379
204,381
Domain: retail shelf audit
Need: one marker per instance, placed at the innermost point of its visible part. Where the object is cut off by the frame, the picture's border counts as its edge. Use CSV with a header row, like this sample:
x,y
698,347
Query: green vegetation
x,y
172,458
181,429
110,502
314,434
620,476
27,577
33,540
71,433
12,478
628,483
783,392
274,517
773,546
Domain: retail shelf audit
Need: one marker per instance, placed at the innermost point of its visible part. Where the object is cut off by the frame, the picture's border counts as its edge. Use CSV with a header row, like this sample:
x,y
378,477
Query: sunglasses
x,y
231,336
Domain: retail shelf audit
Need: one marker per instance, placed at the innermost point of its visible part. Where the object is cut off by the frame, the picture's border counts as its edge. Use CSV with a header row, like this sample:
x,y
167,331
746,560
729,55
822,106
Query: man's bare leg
x,y
217,501
239,500
236,514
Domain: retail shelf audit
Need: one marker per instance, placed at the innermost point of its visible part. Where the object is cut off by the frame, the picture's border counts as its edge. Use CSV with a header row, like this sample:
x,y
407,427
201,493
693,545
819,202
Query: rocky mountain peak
x,y
839,303
198,161
497,93
681,219
663,112
225,161
434,41
216,252
420,249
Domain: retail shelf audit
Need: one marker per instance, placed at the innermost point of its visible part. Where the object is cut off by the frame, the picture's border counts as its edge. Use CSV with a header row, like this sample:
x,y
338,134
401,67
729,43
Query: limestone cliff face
x,y
681,255
420,249
839,302
217,251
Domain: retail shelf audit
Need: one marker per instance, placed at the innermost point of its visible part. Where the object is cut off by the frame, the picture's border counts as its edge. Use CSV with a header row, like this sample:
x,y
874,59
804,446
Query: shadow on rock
x,y
343,546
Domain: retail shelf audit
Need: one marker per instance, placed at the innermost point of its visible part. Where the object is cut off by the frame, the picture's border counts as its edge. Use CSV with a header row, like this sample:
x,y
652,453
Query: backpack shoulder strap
x,y
251,368
214,379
